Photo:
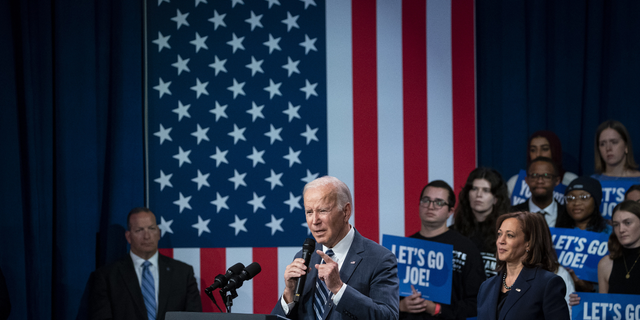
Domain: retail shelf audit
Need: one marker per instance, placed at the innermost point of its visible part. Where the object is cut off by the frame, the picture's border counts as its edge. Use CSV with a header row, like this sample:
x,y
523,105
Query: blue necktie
x,y
148,291
322,293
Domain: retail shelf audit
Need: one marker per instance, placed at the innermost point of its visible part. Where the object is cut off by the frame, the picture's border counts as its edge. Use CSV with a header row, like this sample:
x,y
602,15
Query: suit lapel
x,y
518,290
130,279
492,296
165,273
353,259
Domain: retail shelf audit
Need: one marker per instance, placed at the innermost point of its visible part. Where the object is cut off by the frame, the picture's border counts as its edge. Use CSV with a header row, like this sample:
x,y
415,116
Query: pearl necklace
x,y
504,282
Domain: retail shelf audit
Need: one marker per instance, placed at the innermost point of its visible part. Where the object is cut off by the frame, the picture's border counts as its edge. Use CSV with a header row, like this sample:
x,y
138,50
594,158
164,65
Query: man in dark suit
x,y
542,178
358,278
127,289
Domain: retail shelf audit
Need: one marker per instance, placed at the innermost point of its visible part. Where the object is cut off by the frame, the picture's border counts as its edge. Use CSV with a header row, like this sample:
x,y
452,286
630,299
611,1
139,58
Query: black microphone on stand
x,y
248,273
307,249
222,279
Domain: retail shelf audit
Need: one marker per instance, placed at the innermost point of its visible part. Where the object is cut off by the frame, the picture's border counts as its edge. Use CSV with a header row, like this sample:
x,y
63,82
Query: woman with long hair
x,y
482,199
613,153
544,143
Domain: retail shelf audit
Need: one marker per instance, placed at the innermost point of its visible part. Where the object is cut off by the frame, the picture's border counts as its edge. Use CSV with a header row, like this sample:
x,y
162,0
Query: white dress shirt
x,y
551,212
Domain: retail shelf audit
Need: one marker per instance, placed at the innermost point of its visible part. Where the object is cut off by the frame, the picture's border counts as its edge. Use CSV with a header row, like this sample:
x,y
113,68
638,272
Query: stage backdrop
x,y
249,100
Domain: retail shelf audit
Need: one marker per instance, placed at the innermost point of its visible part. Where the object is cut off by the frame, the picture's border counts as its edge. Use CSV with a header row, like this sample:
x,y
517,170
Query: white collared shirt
x,y
551,212
137,265
340,251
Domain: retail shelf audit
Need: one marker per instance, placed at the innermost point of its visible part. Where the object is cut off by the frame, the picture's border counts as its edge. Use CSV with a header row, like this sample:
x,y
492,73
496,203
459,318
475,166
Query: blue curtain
x,y
71,133
564,66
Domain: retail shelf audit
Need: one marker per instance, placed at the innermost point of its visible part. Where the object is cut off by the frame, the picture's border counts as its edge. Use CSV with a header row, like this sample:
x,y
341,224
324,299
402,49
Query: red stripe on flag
x,y
166,252
414,74
213,261
265,285
463,89
365,116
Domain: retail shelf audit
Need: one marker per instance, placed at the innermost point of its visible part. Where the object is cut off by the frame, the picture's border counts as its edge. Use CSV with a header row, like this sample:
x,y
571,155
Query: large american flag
x,y
247,100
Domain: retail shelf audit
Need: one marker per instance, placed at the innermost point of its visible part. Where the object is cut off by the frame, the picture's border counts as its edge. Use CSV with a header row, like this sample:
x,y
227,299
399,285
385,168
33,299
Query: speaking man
x,y
436,205
349,276
542,178
144,284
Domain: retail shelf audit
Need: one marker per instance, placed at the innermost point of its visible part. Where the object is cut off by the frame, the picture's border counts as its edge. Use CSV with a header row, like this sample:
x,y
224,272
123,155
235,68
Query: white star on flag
x,y
165,226
256,202
275,225
183,202
202,226
164,180
220,202
238,224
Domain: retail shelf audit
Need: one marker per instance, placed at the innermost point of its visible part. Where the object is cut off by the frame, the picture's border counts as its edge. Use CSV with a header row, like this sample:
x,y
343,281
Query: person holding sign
x,y
544,143
542,178
583,197
619,271
436,205
525,287
482,199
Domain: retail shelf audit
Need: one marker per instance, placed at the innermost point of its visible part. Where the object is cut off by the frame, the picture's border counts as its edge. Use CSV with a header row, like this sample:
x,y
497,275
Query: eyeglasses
x,y
545,176
582,197
425,202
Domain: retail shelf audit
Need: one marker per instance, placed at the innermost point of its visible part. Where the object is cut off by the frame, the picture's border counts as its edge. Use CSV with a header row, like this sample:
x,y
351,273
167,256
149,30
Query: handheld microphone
x,y
222,279
248,273
307,249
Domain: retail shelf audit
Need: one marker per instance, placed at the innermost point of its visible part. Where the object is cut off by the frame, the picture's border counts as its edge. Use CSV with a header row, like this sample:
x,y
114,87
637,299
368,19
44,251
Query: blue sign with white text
x,y
595,306
580,250
613,193
521,191
426,265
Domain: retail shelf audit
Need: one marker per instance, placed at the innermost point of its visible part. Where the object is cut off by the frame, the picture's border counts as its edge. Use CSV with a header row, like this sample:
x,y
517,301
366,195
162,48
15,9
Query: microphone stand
x,y
208,292
228,299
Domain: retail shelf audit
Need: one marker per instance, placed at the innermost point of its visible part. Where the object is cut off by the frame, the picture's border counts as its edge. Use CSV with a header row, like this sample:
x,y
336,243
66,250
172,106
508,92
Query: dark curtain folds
x,y
71,133
564,66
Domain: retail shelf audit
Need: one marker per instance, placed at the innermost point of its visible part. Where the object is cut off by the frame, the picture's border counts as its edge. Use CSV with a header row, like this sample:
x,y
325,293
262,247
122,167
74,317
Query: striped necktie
x,y
322,293
148,290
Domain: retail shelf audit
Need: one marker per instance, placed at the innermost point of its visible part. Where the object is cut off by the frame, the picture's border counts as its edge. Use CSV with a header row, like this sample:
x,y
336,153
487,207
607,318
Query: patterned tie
x,y
148,291
322,293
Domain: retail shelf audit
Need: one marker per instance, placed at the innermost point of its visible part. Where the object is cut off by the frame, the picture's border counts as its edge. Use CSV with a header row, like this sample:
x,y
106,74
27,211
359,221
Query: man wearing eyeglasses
x,y
436,205
542,178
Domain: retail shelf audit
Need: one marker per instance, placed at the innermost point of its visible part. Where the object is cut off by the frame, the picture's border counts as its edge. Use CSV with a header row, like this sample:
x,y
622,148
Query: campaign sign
x,y
597,306
426,265
613,193
580,250
521,191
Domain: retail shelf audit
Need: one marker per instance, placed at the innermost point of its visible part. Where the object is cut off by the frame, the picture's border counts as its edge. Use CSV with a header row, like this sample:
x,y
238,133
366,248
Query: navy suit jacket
x,y
536,294
115,290
371,274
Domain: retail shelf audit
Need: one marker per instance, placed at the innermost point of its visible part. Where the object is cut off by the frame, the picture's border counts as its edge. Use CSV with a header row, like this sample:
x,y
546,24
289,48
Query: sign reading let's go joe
x,y
580,250
424,264
606,306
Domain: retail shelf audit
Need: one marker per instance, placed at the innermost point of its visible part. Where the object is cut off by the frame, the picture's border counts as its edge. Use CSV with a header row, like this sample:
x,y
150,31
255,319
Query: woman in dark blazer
x,y
524,287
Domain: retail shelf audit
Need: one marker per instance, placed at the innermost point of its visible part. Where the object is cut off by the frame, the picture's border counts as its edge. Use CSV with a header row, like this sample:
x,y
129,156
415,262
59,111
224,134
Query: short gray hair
x,y
342,191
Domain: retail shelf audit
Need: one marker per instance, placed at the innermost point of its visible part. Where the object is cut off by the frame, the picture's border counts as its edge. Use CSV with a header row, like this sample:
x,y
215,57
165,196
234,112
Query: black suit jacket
x,y
115,290
537,294
525,207
371,274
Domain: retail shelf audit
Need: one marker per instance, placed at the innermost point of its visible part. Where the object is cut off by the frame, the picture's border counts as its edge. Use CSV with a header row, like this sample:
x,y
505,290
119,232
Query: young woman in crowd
x,y
583,197
618,272
614,153
544,143
482,199
525,260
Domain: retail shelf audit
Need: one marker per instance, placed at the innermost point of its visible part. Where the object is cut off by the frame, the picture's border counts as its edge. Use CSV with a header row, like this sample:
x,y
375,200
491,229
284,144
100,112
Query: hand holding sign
x,y
329,272
413,303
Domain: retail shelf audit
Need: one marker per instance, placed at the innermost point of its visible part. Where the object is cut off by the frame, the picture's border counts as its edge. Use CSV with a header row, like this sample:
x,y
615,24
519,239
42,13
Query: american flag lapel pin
x,y
518,289
353,262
